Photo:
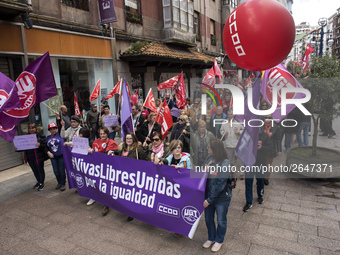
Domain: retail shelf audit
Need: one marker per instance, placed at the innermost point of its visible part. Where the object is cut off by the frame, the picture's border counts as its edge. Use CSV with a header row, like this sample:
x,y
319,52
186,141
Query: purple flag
x,y
125,113
8,134
162,196
107,11
279,77
246,149
9,98
34,85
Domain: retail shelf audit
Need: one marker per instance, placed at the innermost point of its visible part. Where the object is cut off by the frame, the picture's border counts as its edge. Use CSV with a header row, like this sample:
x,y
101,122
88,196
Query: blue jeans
x,y
249,180
112,135
305,127
221,209
59,169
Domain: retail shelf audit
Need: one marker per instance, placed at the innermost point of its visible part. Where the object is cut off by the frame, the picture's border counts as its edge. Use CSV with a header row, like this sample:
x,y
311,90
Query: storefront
x,y
78,62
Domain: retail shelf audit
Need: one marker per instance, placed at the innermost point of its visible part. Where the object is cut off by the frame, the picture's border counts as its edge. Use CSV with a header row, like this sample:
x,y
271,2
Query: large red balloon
x,y
259,34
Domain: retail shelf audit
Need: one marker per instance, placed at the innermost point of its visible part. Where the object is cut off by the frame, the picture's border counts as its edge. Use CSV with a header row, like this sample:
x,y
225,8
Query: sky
x,y
311,10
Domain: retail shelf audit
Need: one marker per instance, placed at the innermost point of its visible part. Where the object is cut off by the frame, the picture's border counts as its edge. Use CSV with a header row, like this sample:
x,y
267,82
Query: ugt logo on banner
x,y
26,85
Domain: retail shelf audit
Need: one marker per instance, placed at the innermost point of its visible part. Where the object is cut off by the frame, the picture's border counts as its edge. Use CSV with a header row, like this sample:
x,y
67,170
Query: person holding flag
x,y
181,131
148,128
64,116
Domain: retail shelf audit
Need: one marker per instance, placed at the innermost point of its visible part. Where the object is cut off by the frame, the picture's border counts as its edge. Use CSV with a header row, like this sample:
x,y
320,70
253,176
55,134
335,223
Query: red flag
x,y
237,81
76,106
180,93
252,75
128,89
305,62
150,101
95,92
248,83
169,84
218,72
116,90
209,78
164,118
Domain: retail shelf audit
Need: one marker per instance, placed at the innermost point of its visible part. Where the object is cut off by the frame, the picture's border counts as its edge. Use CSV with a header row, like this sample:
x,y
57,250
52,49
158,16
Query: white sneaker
x,y
91,202
207,244
216,247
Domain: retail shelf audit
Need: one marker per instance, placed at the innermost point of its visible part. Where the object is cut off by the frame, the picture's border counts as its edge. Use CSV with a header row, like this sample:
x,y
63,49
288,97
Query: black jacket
x,y
263,152
143,131
39,154
275,140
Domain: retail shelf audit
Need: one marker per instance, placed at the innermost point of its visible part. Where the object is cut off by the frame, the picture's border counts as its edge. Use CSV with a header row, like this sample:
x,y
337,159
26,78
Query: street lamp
x,y
322,23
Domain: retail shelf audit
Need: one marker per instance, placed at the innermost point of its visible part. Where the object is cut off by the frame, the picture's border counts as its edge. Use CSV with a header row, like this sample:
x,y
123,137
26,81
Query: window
x,y
132,10
196,28
212,32
232,3
182,15
78,4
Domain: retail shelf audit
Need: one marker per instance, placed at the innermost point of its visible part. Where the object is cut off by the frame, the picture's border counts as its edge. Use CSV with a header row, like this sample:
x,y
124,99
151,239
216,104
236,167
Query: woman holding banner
x,y
218,194
131,148
157,149
36,157
178,158
103,145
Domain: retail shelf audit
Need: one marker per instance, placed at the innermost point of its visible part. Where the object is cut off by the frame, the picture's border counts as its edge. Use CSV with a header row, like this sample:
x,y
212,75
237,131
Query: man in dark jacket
x,y
264,146
92,121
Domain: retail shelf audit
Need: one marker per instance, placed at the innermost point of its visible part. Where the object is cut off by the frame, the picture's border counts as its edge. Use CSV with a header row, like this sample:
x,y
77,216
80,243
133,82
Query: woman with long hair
x,y
218,194
148,128
131,148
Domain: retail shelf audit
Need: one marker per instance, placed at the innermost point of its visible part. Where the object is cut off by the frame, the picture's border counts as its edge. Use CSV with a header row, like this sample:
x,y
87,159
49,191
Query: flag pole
x,y
49,107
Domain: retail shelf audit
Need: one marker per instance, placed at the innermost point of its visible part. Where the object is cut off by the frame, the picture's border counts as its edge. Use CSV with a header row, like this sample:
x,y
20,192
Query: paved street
x,y
299,216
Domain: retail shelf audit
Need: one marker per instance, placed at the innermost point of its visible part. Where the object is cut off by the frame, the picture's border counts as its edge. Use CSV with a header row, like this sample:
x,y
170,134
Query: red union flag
x,y
116,90
278,77
305,61
209,78
247,84
180,93
76,106
150,101
169,84
95,92
164,118
218,72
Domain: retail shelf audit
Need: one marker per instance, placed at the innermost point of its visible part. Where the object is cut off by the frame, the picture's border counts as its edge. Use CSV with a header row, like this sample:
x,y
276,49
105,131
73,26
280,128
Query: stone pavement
x,y
299,216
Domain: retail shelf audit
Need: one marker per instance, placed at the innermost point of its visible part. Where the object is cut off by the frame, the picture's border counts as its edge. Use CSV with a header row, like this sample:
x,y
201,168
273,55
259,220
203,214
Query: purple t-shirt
x,y
55,144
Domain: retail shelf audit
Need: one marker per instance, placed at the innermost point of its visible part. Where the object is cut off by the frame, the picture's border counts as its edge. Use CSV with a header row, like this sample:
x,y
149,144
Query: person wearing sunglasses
x,y
181,131
272,129
156,149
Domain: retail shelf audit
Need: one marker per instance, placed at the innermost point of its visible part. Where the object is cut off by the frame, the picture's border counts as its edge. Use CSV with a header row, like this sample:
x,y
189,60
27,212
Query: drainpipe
x,y
205,22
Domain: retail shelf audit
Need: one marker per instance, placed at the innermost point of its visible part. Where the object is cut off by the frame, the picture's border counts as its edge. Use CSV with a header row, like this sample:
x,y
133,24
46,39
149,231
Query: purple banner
x,y
162,196
107,11
9,98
